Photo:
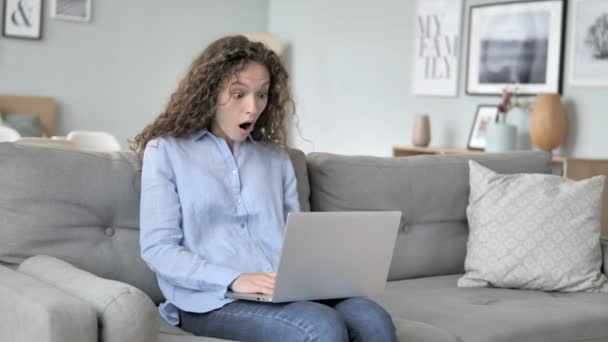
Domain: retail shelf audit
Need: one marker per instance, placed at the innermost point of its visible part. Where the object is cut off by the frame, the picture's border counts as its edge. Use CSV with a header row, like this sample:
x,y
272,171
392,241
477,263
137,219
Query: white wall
x,y
351,67
116,72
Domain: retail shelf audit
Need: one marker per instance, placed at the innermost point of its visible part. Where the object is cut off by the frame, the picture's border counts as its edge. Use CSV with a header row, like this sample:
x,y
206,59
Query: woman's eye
x,y
237,95
263,95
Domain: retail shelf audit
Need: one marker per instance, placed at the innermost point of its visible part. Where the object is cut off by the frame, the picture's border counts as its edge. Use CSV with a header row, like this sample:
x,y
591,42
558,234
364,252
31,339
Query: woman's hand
x,y
254,283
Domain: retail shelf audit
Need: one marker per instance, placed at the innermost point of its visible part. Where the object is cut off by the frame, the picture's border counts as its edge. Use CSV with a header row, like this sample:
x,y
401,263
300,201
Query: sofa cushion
x,y
33,310
535,232
78,206
431,191
441,311
125,313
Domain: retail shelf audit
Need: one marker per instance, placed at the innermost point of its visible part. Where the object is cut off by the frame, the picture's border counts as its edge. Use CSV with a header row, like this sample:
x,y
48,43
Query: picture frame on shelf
x,y
484,115
516,43
73,10
22,19
589,43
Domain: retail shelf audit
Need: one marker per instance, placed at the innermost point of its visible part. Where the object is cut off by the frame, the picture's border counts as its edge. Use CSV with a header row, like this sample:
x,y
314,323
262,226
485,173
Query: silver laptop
x,y
328,255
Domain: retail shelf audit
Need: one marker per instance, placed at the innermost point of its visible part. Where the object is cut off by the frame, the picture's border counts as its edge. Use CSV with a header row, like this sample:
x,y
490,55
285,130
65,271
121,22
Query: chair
x,y
8,134
94,140
41,106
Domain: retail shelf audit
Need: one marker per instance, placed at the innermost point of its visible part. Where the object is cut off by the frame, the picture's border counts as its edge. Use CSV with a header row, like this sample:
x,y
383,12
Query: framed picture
x,y
22,19
437,47
589,43
483,117
77,10
516,43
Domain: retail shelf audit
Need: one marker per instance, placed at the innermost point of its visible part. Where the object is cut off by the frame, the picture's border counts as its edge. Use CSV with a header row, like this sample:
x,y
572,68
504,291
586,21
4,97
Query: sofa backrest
x,y
431,192
82,207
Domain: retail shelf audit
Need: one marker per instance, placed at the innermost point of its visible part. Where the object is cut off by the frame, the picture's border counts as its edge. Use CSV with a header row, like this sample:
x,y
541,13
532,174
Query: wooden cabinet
x,y
573,168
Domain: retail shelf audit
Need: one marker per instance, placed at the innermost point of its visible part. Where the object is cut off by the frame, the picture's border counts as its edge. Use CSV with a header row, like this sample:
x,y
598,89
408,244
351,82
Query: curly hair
x,y
192,106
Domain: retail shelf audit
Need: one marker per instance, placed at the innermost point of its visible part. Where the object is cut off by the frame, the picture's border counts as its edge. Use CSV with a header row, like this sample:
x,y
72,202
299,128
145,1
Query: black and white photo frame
x,y
22,19
74,10
516,43
589,43
484,116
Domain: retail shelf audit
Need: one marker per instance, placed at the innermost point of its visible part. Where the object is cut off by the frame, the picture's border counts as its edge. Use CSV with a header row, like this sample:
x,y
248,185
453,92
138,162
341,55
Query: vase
x,y
520,118
421,134
500,136
547,122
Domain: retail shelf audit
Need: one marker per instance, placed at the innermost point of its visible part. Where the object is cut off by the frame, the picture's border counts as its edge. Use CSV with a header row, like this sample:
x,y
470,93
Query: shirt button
x,y
109,231
243,225
234,171
238,201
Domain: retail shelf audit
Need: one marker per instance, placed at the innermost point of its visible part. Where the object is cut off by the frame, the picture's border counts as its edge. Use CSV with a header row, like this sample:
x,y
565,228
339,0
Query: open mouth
x,y
246,125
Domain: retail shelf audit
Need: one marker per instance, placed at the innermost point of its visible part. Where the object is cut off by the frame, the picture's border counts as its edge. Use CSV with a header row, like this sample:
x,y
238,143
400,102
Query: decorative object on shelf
x,y
485,115
437,47
516,42
75,10
421,133
589,43
516,114
22,19
519,116
547,122
501,135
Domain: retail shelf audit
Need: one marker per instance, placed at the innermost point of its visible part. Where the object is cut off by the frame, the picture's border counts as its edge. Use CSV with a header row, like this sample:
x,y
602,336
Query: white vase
x,y
520,118
500,137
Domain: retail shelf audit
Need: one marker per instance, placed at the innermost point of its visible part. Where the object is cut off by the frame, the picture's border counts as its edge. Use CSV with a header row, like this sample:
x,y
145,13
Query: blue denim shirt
x,y
208,215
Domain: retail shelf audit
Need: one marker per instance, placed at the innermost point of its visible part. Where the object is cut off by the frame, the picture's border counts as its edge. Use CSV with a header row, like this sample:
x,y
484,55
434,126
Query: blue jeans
x,y
354,319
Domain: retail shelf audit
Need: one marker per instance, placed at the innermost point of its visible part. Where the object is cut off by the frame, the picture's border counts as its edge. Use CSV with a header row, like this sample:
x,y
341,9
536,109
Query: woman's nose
x,y
254,105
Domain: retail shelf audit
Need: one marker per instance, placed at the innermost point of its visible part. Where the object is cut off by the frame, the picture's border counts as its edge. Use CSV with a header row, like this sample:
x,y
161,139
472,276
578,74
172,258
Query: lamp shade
x,y
547,122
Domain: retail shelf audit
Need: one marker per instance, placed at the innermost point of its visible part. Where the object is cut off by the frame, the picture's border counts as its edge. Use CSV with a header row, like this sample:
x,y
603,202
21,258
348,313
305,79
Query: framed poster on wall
x,y
437,47
76,10
22,19
589,43
516,43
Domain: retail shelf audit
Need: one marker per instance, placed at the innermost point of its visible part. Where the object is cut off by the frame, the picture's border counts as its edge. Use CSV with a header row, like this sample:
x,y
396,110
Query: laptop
x,y
330,255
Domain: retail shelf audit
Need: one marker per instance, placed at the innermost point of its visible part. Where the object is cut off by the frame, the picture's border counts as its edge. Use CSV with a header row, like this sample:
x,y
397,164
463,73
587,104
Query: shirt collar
x,y
200,134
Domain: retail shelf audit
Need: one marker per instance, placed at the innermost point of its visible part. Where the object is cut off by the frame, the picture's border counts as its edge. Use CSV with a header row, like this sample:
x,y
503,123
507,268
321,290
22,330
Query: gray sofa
x,y
70,268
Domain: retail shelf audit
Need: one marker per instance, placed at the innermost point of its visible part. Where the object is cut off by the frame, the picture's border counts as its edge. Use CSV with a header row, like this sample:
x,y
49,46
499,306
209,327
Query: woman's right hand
x,y
254,283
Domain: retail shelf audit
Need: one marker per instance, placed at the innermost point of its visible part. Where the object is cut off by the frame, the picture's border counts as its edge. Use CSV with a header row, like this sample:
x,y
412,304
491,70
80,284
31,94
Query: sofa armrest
x,y
32,310
604,243
125,313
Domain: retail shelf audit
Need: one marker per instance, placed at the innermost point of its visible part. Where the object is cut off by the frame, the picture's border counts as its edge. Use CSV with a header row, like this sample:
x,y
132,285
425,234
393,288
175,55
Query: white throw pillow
x,y
534,231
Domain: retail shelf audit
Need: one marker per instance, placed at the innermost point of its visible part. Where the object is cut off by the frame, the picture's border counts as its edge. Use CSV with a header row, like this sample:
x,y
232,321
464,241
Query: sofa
x,y
70,268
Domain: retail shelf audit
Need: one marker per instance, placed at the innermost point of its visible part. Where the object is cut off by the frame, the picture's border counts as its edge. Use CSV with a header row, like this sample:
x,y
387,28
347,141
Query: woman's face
x,y
240,103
